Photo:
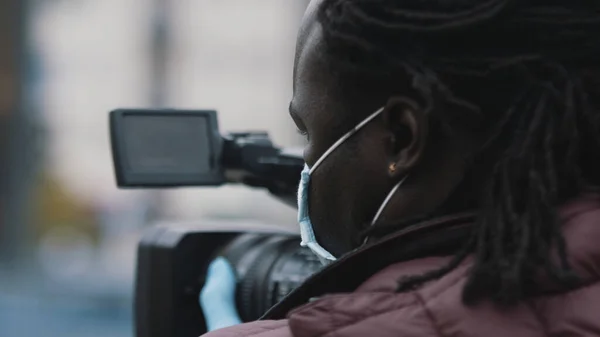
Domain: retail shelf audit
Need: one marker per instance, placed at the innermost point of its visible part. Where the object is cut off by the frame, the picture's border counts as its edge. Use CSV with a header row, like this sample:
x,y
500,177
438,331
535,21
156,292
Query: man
x,y
453,165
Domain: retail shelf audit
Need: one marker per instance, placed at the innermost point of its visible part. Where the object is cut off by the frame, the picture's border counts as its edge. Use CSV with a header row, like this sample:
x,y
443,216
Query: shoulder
x,y
436,309
277,328
376,309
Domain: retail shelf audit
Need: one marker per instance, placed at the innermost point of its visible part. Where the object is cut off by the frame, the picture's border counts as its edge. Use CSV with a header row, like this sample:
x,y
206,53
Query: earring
x,y
392,167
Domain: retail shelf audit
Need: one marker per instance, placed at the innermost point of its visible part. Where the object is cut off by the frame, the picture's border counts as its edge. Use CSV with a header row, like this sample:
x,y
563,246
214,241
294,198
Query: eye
x,y
300,127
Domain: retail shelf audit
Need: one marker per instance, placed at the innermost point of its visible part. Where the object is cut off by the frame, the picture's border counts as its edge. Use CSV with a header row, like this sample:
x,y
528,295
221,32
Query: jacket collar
x,y
443,235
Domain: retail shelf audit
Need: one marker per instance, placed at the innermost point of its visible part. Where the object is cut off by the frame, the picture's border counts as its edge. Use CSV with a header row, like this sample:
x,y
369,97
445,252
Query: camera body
x,y
165,148
173,259
158,148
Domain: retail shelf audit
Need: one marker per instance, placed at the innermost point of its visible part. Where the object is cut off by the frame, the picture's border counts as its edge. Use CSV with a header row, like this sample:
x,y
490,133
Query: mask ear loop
x,y
383,205
345,137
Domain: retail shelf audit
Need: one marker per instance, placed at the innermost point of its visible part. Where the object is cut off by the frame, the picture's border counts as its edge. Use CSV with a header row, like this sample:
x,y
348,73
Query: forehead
x,y
323,94
314,83
308,37
309,21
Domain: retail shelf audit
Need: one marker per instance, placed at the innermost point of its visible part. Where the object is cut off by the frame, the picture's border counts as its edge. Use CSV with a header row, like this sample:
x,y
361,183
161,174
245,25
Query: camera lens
x,y
268,268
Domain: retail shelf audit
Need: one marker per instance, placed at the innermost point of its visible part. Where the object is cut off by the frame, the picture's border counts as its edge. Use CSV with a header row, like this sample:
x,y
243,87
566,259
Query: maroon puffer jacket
x,y
373,309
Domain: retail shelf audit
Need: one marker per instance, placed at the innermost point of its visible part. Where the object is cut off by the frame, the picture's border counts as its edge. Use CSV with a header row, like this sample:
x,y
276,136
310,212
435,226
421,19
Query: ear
x,y
408,127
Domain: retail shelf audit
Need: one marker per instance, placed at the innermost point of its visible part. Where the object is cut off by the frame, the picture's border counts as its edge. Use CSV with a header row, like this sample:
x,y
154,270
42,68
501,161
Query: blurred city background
x,y
68,236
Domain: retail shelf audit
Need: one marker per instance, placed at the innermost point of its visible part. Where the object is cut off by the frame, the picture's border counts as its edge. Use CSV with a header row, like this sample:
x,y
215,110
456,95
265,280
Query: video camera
x,y
176,148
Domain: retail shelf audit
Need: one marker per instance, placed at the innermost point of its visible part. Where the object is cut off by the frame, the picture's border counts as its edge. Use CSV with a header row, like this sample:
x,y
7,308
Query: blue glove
x,y
217,297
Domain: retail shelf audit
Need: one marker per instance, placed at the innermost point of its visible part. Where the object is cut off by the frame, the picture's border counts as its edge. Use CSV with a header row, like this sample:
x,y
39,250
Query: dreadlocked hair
x,y
524,74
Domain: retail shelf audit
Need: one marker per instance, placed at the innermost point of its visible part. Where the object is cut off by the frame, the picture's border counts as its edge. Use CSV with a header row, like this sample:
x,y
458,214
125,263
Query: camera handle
x,y
251,159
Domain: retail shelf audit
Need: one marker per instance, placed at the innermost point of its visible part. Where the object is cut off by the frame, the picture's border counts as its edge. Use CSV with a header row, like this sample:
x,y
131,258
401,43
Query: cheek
x,y
344,194
331,196
322,135
313,151
307,154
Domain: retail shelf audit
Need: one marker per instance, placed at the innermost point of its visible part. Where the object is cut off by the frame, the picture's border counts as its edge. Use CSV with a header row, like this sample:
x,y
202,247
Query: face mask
x,y
306,228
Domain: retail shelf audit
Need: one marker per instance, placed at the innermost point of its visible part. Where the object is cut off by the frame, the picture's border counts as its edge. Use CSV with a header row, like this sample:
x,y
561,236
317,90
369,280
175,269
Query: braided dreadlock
x,y
529,70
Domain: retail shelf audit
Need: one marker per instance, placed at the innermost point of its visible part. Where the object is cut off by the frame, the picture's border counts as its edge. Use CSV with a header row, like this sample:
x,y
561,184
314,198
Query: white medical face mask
x,y
306,228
